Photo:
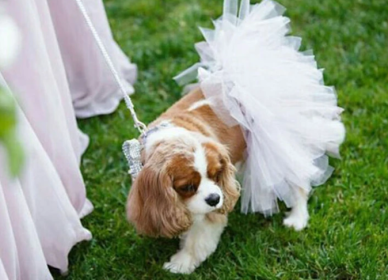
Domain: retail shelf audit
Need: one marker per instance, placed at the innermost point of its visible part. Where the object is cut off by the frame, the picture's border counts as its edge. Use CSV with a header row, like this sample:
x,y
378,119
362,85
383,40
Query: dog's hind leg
x,y
298,216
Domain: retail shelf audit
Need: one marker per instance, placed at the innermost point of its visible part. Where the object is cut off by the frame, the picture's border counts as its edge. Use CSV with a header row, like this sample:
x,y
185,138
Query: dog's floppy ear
x,y
228,183
153,206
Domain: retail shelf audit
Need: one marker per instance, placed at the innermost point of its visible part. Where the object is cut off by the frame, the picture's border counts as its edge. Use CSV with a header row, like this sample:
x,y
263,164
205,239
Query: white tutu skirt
x,y
254,76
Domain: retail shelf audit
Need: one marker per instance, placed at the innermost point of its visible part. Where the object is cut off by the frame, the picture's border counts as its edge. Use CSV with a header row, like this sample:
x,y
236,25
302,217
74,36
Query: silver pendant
x,y
132,151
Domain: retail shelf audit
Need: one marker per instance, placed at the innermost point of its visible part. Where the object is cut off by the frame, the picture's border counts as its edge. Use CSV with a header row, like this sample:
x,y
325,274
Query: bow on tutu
x,y
254,76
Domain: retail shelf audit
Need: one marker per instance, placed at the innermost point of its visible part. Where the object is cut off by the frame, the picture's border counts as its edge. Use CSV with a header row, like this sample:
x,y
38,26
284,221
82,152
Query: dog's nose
x,y
213,199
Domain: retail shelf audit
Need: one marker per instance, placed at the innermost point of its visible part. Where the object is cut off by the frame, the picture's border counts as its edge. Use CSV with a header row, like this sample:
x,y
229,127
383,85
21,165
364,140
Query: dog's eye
x,y
188,188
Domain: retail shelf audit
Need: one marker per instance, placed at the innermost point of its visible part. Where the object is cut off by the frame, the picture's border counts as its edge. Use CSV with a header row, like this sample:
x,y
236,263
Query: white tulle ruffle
x,y
255,77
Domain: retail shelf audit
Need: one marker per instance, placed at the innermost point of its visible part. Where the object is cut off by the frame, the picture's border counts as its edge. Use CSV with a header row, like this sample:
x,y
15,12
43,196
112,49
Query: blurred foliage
x,y
8,136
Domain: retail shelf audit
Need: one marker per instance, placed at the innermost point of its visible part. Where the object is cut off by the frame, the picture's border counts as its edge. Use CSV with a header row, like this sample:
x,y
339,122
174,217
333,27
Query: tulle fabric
x,y
255,77
58,74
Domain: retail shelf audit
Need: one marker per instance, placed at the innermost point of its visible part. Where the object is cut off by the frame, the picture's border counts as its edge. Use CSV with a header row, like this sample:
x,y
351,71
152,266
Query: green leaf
x,y
7,113
15,153
8,135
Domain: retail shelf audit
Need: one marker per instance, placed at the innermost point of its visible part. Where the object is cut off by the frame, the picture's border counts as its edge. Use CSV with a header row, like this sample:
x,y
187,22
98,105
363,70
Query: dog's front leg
x,y
198,243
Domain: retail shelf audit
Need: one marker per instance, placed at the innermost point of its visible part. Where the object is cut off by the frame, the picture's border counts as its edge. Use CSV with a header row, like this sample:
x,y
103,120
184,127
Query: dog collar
x,y
132,149
145,135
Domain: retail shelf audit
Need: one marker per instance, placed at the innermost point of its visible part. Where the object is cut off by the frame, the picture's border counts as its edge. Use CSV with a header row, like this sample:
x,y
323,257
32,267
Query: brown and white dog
x,y
187,185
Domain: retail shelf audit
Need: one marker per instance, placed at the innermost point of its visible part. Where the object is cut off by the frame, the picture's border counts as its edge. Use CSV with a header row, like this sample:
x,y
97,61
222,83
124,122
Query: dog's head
x,y
182,177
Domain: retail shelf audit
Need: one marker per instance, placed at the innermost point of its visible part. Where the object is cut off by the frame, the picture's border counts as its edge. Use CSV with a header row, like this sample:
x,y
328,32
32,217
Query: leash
x,y
128,102
131,148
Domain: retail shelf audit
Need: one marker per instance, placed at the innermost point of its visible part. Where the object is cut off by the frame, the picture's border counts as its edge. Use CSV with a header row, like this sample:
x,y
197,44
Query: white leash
x,y
138,124
131,148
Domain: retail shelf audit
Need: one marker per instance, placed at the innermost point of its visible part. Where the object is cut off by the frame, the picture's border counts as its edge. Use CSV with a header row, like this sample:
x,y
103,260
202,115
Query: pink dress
x,y
58,75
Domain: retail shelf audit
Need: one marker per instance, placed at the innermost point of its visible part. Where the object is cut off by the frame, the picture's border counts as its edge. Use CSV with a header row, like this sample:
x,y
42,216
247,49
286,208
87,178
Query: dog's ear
x,y
228,183
153,206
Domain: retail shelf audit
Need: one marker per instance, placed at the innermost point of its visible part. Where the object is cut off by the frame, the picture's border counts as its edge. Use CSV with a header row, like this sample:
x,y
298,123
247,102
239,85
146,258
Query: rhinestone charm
x,y
132,152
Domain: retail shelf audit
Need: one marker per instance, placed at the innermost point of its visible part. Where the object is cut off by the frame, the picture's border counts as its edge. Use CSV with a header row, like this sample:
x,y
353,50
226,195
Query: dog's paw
x,y
181,262
297,221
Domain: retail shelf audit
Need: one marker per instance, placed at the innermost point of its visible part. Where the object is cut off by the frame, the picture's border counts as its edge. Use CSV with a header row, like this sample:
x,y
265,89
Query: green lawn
x,y
347,237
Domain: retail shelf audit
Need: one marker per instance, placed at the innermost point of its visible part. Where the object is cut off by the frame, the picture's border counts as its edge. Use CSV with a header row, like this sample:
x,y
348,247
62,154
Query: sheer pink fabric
x,y
92,85
59,74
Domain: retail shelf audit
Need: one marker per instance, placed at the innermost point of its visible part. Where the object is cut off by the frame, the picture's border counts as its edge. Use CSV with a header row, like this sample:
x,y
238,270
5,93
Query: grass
x,y
347,236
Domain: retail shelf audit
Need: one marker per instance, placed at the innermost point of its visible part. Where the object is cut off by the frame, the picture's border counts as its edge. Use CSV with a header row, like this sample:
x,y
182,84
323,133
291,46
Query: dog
x,y
188,182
